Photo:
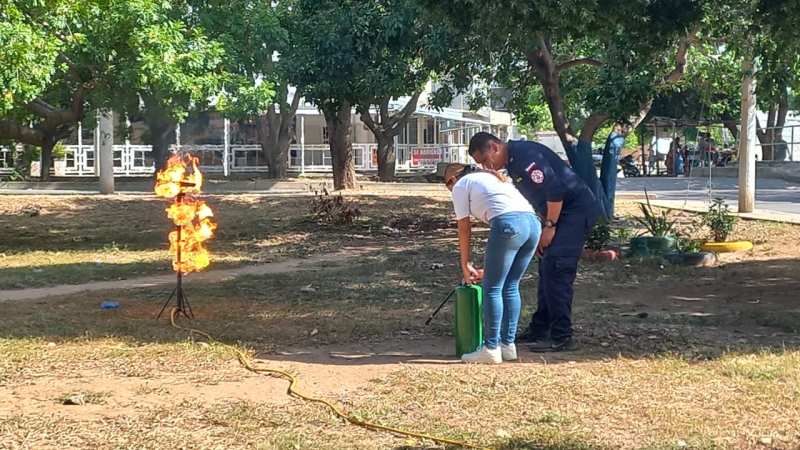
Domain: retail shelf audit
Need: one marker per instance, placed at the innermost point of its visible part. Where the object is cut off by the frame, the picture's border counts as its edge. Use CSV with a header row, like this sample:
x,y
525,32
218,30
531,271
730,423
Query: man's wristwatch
x,y
549,224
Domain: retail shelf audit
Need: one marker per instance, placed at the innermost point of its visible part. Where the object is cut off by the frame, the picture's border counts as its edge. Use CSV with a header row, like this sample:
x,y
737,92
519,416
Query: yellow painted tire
x,y
726,247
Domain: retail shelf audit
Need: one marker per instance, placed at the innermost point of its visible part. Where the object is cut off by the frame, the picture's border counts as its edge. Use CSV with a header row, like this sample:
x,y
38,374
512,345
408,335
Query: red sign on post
x,y
425,156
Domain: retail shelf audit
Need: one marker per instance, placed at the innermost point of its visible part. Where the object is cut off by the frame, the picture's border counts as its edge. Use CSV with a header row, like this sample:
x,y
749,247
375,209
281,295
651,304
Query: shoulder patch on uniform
x,y
537,176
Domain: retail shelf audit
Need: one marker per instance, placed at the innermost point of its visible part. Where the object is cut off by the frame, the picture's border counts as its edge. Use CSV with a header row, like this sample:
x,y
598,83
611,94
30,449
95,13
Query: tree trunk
x,y
555,103
546,71
385,128
46,161
21,161
773,146
279,165
275,131
387,158
767,147
341,146
274,144
275,148
264,137
160,136
780,147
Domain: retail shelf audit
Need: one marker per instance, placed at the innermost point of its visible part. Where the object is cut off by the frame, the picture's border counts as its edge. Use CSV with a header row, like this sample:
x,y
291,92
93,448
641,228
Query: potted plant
x,y
721,222
659,225
597,248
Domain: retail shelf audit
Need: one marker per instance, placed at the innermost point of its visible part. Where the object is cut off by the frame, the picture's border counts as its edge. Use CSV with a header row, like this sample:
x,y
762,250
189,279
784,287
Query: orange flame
x,y
179,181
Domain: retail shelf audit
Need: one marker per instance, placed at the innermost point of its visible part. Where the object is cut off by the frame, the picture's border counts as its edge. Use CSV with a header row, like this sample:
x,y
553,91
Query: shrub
x,y
599,237
333,209
719,220
658,224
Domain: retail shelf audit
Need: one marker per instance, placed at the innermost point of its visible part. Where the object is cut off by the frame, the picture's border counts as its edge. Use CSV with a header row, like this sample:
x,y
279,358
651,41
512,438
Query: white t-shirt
x,y
484,196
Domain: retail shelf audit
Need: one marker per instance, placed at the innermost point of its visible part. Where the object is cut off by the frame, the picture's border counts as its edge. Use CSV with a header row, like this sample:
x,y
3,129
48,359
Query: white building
x,y
226,146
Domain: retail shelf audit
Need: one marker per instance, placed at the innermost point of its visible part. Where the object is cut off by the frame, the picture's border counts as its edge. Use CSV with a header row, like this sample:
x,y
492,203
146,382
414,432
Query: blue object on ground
x,y
109,304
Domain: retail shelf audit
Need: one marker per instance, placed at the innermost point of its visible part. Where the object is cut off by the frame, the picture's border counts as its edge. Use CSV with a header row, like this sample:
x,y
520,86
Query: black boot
x,y
558,345
533,336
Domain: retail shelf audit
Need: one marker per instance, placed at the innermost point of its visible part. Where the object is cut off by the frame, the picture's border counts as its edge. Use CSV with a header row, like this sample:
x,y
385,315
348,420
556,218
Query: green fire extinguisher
x,y
468,317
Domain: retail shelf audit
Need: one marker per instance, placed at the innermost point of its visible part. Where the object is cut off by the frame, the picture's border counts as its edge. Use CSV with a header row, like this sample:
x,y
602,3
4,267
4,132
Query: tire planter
x,y
606,255
644,246
700,259
727,247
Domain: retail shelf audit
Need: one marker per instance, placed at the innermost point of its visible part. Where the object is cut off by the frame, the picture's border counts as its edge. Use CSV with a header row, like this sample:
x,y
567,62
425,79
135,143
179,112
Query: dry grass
x,y
670,357
613,404
24,359
617,403
50,240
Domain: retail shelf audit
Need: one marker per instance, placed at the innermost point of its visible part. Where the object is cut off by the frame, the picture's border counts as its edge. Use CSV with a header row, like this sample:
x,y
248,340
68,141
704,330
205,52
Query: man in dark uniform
x,y
568,210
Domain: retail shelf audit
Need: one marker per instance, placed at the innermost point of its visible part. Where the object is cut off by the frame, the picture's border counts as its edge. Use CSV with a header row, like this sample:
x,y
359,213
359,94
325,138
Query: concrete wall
x,y
779,170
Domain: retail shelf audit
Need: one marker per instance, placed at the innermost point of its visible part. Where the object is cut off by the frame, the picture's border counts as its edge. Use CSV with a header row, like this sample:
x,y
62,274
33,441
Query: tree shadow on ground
x,y
44,235
373,312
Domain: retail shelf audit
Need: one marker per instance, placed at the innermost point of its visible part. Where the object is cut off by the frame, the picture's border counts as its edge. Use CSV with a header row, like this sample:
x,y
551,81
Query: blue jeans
x,y
513,238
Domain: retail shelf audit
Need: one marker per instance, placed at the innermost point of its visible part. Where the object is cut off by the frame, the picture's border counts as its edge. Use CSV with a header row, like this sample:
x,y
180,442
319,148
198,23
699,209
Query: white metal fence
x,y
6,159
136,160
129,160
317,158
240,158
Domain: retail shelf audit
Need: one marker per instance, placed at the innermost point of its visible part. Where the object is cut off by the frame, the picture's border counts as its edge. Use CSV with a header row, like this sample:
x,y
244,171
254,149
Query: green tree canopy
x,y
603,61
355,54
132,56
257,89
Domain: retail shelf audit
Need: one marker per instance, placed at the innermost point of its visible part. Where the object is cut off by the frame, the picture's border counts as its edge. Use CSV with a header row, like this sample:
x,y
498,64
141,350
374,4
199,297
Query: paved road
x,y
771,195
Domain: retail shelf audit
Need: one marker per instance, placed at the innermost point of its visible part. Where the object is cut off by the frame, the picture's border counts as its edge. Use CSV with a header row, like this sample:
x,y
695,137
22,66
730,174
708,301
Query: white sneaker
x,y
483,355
508,351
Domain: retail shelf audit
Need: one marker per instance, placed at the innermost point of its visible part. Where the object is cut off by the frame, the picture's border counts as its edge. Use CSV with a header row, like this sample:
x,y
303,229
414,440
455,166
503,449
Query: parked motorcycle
x,y
629,167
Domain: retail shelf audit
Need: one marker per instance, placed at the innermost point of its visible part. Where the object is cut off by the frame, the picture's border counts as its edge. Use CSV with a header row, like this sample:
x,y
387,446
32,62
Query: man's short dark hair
x,y
480,142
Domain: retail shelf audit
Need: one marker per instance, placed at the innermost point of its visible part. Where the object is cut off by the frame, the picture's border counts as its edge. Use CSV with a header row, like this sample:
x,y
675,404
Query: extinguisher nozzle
x,y
428,322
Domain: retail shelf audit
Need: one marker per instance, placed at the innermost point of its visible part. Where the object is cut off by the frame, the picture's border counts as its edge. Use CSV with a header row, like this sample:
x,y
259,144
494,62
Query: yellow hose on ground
x,y
244,360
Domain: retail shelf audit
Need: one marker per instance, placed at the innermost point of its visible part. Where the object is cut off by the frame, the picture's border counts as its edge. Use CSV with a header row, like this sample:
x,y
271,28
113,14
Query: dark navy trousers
x,y
557,271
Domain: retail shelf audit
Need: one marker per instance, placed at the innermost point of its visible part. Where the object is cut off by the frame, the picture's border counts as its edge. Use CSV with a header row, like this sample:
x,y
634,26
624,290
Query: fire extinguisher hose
x,y
292,390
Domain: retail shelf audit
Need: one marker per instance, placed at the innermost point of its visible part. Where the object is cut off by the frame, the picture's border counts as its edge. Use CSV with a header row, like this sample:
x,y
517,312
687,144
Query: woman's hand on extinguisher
x,y
471,274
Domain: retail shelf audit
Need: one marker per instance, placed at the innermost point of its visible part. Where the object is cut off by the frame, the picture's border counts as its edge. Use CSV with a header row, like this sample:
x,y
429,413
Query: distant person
x,y
704,147
680,162
513,237
568,209
673,156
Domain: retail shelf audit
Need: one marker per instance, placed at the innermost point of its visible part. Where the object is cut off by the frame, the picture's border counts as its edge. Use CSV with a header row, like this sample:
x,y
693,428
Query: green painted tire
x,y
644,246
